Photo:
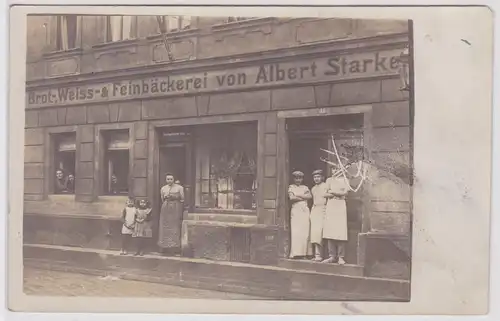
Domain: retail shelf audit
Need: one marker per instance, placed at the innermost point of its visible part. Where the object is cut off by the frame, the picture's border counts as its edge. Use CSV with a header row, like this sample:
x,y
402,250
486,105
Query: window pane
x,y
172,23
127,28
64,163
66,32
115,25
185,22
71,23
226,166
117,172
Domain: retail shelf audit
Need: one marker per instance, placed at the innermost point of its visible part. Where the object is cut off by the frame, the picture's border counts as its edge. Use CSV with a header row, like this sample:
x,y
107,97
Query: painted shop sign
x,y
342,67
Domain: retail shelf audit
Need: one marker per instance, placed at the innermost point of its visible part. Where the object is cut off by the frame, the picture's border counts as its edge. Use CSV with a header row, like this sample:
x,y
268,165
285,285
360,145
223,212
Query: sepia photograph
x,y
267,157
232,157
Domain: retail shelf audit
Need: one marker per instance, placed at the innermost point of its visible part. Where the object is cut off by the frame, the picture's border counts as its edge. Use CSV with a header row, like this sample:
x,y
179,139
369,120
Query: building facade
x,y
243,103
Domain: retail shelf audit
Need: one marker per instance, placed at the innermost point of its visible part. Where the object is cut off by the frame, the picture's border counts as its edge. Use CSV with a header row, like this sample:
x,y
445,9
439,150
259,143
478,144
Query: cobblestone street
x,y
54,283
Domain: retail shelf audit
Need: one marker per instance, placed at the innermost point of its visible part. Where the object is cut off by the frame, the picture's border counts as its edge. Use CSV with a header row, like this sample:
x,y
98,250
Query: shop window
x,y
66,32
226,166
120,28
64,163
116,162
175,23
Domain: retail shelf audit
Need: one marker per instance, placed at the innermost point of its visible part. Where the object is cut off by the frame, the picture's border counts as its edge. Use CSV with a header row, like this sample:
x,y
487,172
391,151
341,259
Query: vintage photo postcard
x,y
339,157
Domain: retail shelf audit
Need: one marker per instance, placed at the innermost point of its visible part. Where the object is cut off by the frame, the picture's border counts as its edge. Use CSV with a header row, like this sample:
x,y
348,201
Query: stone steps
x,y
330,268
218,217
275,282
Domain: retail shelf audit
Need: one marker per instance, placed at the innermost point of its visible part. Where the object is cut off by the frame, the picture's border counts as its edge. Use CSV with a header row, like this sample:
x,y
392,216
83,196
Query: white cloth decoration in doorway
x,y
362,168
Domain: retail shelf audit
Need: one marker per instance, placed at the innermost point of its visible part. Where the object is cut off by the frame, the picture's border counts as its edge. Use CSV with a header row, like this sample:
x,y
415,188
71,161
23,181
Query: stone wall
x,y
212,39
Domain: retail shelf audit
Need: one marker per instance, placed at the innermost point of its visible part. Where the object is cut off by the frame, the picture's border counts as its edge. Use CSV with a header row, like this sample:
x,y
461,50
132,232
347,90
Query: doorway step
x,y
274,282
307,265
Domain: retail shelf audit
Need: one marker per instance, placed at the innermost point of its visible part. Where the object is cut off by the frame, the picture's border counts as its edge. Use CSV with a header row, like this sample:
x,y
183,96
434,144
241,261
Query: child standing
x,y
142,229
128,219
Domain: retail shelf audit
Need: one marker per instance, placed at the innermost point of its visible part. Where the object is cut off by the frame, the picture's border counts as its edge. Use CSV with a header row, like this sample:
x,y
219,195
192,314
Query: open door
x,y
307,137
175,157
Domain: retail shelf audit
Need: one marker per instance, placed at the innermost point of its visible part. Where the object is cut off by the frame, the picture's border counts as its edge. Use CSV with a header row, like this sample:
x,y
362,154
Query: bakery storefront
x,y
231,130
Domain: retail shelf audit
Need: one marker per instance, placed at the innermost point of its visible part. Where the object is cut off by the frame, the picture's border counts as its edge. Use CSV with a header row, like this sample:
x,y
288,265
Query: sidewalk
x,y
295,282
55,283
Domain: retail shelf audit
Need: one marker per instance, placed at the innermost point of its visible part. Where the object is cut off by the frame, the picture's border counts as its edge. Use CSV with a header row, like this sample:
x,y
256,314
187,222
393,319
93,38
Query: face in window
x,y
317,178
71,178
169,179
114,179
59,174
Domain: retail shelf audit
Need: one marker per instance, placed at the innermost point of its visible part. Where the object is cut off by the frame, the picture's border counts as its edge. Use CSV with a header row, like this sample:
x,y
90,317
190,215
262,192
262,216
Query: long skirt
x,y
299,226
335,224
170,225
317,219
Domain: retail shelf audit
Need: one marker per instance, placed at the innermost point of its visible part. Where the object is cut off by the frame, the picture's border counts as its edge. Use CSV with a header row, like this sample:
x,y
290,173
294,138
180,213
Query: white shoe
x,y
328,260
341,261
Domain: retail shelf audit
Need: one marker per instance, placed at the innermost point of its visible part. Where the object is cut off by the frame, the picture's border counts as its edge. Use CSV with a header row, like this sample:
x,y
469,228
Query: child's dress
x,y
142,223
128,218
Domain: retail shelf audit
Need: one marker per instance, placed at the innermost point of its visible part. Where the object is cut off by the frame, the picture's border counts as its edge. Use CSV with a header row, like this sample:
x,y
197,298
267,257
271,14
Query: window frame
x,y
100,151
49,158
108,28
180,19
54,34
199,180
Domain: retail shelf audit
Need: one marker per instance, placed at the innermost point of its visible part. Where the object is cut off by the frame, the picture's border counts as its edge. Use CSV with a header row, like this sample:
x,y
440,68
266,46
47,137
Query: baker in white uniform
x,y
335,223
318,213
299,194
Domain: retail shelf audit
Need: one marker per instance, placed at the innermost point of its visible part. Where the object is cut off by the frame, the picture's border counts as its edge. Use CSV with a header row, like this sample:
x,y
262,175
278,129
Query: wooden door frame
x,y
189,178
283,159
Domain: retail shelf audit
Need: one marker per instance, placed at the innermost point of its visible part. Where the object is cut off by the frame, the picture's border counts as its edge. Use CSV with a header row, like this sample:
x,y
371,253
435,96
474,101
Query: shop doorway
x,y
174,157
308,137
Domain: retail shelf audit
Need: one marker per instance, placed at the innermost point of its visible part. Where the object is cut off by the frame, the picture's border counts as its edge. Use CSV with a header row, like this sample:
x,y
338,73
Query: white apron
x,y
318,212
335,224
299,223
129,220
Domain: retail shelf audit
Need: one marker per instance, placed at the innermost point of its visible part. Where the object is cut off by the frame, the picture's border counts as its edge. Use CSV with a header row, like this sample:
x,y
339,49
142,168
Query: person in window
x,y
317,213
299,194
335,224
114,184
61,183
71,183
172,197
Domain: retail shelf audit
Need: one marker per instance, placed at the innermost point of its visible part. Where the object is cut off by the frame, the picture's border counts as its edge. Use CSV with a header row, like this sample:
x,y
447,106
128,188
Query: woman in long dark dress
x,y
172,196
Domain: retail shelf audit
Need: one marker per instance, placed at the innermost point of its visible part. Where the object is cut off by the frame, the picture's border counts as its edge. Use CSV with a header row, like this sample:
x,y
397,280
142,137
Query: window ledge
x,y
113,197
63,53
175,34
242,24
111,45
